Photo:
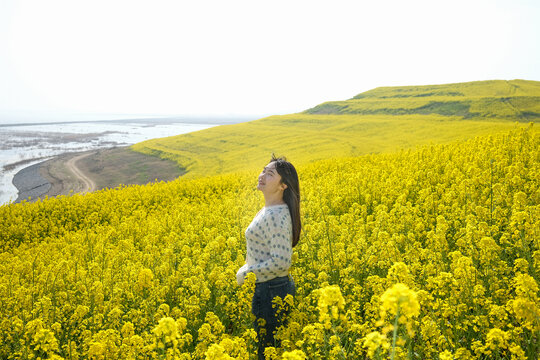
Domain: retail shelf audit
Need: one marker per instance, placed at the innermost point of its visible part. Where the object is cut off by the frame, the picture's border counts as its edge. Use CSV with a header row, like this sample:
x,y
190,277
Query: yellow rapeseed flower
x,y
399,298
330,303
374,341
294,355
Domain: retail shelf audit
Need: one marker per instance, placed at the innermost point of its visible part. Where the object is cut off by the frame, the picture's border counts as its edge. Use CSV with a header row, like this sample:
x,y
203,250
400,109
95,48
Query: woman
x,y
270,237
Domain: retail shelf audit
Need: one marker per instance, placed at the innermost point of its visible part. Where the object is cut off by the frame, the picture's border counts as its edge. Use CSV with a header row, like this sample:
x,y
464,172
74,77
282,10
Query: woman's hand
x,y
241,274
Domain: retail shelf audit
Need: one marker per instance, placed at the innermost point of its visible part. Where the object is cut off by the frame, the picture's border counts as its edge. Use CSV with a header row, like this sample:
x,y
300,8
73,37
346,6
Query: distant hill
x,y
516,100
384,119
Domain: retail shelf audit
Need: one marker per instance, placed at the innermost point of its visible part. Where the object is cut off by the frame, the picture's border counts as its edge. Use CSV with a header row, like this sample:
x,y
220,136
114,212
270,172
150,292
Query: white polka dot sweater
x,y
269,244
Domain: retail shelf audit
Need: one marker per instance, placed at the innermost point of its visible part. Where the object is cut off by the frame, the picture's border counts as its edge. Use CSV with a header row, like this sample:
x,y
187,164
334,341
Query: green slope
x,y
517,100
380,120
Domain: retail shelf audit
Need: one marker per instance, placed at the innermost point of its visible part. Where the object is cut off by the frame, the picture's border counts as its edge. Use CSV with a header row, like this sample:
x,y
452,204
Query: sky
x,y
76,58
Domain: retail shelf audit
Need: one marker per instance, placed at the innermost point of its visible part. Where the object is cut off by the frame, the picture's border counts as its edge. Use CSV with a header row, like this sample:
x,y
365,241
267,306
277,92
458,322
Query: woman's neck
x,y
272,201
269,205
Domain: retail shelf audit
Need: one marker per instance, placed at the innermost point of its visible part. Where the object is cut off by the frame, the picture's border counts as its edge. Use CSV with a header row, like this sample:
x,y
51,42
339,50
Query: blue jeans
x,y
261,307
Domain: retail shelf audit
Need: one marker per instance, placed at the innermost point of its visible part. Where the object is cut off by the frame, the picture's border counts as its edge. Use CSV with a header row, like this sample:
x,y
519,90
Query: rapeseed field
x,y
425,253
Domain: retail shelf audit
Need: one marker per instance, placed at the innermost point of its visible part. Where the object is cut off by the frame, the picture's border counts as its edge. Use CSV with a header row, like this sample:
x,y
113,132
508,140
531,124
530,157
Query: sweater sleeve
x,y
278,237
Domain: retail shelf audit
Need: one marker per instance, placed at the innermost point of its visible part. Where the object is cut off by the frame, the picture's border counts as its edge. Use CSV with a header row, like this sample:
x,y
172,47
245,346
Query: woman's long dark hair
x,y
291,195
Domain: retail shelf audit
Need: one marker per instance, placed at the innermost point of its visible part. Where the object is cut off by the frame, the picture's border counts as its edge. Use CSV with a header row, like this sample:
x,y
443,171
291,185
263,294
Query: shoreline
x,y
30,183
44,140
91,170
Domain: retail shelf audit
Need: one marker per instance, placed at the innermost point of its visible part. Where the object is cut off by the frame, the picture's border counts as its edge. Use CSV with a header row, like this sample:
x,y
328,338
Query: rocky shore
x,y
30,183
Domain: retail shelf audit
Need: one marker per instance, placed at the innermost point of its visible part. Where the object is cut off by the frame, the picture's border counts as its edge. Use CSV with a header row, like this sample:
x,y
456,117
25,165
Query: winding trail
x,y
88,184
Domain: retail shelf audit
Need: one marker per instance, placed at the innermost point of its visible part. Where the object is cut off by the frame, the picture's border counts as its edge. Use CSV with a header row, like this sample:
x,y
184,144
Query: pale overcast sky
x,y
249,57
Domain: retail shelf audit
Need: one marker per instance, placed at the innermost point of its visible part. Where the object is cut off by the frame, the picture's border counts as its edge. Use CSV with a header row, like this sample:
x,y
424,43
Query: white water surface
x,y
28,144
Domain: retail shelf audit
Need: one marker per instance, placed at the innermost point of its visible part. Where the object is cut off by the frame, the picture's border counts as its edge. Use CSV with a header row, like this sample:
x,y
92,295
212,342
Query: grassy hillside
x,y
380,120
446,236
517,100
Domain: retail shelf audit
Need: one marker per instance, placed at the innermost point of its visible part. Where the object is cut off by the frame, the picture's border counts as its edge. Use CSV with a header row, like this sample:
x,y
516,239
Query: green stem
x,y
491,194
339,339
395,336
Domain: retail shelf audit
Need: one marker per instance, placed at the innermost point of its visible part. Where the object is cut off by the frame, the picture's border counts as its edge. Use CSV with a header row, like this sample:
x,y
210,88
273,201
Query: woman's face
x,y
270,180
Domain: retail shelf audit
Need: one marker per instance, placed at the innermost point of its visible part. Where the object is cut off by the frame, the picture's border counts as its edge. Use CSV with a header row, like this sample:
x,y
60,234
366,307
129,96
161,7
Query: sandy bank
x,y
92,170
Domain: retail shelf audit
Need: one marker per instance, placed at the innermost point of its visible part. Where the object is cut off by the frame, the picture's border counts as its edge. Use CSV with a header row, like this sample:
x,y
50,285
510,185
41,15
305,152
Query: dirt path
x,y
94,170
71,164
